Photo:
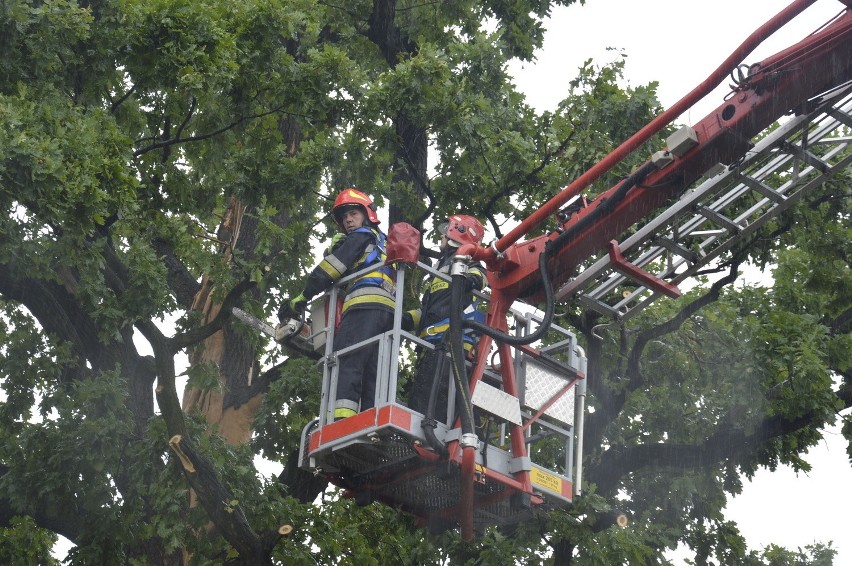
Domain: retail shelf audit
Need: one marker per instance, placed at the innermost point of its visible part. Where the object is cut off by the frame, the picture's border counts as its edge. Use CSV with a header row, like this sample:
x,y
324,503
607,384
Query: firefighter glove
x,y
410,320
292,308
336,240
298,303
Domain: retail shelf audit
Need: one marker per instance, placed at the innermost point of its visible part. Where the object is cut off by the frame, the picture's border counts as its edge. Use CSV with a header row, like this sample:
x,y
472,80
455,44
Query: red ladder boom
x,y
785,82
809,78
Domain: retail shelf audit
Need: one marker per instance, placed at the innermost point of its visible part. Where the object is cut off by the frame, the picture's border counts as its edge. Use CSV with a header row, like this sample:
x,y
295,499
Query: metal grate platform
x,y
382,464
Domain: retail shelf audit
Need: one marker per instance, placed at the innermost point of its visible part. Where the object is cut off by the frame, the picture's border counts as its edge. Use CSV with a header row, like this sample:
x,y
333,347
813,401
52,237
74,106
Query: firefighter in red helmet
x,y
431,321
369,301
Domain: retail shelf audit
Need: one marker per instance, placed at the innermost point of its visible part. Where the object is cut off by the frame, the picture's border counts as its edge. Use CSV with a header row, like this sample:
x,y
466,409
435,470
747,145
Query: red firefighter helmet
x,y
462,229
353,197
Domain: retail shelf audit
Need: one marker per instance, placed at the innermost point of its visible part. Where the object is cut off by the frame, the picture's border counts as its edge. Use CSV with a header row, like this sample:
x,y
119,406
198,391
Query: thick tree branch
x,y
61,520
385,34
181,281
196,335
61,315
646,336
725,444
166,390
221,506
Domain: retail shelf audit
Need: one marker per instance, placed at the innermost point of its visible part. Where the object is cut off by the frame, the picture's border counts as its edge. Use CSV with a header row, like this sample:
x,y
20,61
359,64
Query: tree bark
x,y
228,351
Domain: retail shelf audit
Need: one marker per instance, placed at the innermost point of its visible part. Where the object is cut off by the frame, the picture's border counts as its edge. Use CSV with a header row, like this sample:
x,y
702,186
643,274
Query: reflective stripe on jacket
x,y
377,286
435,332
360,248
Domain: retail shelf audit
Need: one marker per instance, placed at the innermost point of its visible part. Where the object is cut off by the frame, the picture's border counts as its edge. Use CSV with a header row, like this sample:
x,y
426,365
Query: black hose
x,y
546,319
458,284
605,207
429,423
437,378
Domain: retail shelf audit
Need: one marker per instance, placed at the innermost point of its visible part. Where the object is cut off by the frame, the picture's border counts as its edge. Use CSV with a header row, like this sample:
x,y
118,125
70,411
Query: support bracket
x,y
629,270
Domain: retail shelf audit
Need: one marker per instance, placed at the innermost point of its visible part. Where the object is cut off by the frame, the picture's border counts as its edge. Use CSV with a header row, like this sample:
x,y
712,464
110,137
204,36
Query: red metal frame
x,y
776,85
402,418
622,265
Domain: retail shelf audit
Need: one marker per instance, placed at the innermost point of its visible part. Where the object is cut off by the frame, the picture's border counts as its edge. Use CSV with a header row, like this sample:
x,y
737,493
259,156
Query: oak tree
x,y
163,161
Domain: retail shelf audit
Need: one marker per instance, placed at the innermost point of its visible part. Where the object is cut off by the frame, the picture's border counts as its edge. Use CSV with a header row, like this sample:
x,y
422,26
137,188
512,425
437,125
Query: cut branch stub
x,y
174,444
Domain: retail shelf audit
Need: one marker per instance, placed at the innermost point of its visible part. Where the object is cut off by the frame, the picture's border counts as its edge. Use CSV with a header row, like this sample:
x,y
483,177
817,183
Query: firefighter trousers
x,y
356,378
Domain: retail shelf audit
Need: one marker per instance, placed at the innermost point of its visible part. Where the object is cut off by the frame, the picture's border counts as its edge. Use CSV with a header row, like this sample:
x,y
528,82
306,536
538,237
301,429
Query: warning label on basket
x,y
548,481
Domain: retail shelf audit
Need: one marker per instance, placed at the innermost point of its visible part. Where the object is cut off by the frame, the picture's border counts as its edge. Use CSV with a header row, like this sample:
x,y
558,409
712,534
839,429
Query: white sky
x,y
679,43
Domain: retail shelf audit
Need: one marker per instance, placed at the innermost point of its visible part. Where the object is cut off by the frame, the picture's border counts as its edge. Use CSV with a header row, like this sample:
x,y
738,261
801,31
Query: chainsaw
x,y
291,332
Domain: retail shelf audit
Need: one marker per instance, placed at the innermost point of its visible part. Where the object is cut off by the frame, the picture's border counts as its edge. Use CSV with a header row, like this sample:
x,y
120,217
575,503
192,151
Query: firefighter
x,y
431,321
368,303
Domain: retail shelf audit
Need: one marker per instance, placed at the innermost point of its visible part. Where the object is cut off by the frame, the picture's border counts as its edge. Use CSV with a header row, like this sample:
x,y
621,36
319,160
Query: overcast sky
x,y
679,43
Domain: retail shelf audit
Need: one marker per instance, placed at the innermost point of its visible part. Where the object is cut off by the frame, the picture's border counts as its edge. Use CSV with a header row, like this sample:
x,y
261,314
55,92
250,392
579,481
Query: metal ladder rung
x,y
806,156
598,306
841,116
676,248
753,183
719,219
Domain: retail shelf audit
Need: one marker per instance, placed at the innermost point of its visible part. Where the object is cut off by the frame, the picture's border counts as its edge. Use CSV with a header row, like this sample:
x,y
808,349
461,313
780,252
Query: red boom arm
x,y
782,83
774,87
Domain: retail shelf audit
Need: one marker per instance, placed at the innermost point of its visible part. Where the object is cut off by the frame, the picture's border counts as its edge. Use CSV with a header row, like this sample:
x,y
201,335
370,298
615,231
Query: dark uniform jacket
x,y
357,250
432,319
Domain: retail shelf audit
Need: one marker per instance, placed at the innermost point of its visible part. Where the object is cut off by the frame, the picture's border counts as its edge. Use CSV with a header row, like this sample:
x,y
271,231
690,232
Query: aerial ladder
x,y
703,195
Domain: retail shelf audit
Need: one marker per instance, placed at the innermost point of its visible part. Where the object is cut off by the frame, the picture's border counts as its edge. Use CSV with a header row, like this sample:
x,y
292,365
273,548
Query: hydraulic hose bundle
x,y
428,424
547,284
456,340
469,441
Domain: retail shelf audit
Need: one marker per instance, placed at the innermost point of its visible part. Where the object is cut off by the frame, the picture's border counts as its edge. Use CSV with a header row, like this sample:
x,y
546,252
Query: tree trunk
x,y
232,355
